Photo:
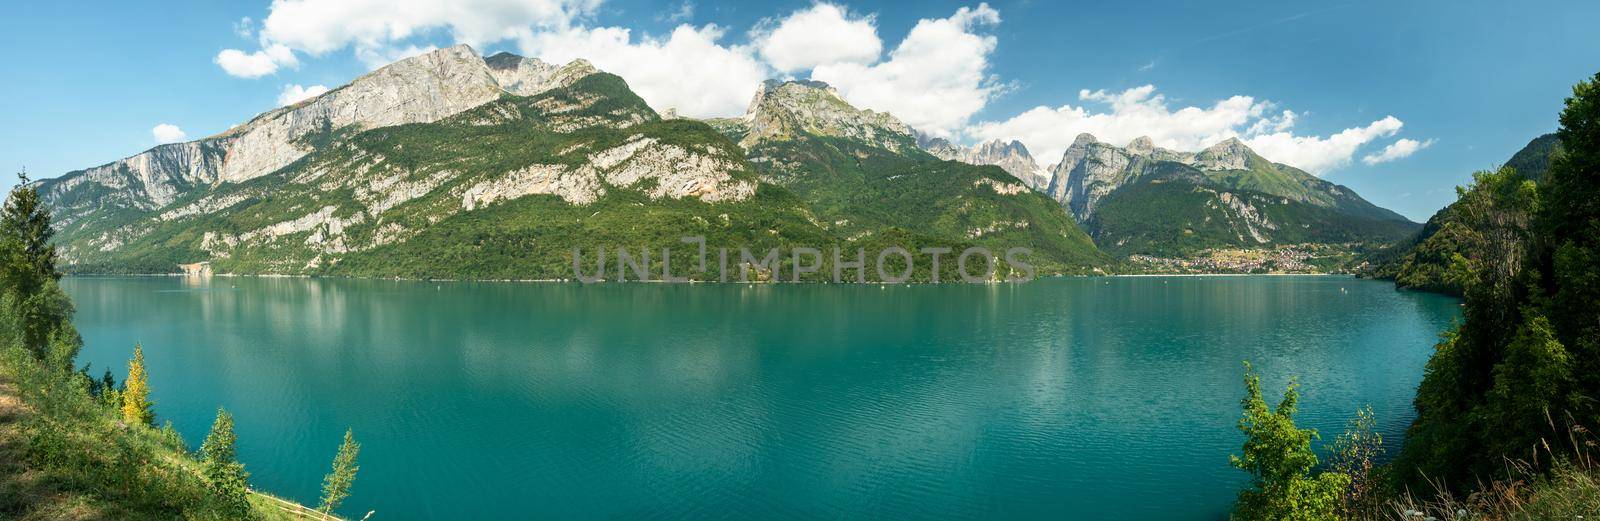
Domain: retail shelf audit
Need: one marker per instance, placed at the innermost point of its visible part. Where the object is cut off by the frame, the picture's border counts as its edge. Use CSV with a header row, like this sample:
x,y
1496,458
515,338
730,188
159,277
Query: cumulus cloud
x,y
934,80
168,133
294,93
1400,149
687,70
379,28
1317,154
256,64
1141,111
823,34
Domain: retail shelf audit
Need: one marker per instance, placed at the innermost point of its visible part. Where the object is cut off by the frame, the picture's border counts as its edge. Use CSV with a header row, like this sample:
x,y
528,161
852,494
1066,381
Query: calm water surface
x,y
1100,398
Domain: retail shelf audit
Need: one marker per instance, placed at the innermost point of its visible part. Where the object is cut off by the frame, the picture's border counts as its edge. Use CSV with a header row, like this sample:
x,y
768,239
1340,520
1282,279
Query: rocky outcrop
x,y
781,110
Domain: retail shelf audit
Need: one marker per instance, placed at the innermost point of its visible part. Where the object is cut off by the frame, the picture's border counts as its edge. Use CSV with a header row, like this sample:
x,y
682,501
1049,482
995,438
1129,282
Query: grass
x,y
1552,483
66,455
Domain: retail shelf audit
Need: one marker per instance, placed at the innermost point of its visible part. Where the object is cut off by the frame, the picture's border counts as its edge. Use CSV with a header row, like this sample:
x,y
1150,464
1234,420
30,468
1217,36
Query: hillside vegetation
x,y
76,447
1508,400
1424,261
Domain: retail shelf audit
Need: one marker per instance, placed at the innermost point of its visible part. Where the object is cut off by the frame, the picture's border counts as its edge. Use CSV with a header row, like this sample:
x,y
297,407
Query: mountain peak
x,y
1230,154
782,109
1084,139
1142,145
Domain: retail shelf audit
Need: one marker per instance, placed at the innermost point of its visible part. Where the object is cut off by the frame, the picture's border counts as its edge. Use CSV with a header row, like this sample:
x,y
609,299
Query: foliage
x,y
136,405
229,481
1278,456
1356,453
336,485
1424,261
1526,354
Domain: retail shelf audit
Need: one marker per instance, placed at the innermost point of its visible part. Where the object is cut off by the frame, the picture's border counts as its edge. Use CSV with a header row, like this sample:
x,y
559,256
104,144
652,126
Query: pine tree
x,y
219,444
32,300
229,481
336,486
136,406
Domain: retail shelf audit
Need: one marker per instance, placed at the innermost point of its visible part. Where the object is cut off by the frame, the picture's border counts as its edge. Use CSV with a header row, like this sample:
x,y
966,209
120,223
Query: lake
x,y
1089,398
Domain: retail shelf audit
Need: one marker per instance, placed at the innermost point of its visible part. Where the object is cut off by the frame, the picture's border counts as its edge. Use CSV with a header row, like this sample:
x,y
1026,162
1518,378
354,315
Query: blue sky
x,y
1465,83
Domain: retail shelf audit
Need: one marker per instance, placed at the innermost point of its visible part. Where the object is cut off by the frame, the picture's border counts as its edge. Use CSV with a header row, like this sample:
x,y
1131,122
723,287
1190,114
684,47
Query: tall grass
x,y
1559,479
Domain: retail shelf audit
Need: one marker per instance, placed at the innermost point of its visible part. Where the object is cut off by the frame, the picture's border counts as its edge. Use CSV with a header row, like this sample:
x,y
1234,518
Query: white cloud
x,y
294,93
1319,155
321,26
823,34
1140,111
687,70
934,80
256,64
168,133
1400,149
378,29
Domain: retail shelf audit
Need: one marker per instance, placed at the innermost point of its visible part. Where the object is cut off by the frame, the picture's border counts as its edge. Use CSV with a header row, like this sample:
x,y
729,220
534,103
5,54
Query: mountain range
x,y
453,165
1143,199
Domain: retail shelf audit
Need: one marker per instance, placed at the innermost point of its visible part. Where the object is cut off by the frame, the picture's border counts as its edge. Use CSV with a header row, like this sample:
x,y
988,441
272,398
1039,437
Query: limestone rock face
x,y
418,89
1089,170
146,181
779,110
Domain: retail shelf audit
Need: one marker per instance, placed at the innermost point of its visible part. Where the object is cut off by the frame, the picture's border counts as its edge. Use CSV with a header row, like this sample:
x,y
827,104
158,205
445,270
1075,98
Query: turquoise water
x,y
1090,398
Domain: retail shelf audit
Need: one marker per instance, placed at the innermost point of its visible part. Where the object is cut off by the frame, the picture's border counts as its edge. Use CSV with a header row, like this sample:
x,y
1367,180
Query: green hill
x,y
1423,260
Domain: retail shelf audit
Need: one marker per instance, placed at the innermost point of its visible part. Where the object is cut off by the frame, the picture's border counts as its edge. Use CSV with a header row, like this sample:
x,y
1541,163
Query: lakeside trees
x,y
1508,399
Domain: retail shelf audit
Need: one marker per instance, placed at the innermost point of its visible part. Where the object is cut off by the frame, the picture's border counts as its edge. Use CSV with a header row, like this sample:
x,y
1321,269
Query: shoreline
x,y
694,282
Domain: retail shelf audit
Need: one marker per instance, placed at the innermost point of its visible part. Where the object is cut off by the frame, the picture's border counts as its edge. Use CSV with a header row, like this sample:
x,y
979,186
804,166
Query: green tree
x,y
229,482
1569,223
1278,456
136,405
25,219
336,485
34,305
1531,386
219,443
